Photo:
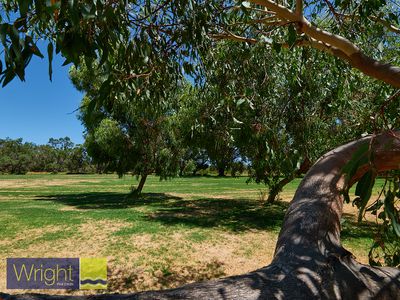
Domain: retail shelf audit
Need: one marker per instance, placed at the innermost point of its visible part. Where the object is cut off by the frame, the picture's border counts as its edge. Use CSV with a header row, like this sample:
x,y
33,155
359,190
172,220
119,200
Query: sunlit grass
x,y
214,226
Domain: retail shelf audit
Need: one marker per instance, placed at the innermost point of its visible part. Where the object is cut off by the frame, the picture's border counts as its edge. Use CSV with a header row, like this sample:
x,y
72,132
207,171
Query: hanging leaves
x,y
364,190
50,56
391,212
359,158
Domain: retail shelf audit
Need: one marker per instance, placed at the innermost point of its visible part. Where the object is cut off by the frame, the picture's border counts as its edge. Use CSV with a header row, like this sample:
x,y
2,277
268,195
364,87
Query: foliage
x,y
59,155
193,159
15,157
282,110
386,247
205,123
133,132
136,39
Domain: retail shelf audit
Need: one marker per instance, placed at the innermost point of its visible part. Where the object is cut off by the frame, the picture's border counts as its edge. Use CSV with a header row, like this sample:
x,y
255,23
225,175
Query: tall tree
x,y
205,123
131,133
285,110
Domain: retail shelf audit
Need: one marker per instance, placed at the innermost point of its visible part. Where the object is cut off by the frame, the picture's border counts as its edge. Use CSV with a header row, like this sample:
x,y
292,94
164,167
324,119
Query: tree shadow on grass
x,y
231,214
106,200
352,229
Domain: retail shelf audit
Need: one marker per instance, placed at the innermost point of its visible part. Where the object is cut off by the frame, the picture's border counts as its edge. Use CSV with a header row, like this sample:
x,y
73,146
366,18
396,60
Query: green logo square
x,y
93,273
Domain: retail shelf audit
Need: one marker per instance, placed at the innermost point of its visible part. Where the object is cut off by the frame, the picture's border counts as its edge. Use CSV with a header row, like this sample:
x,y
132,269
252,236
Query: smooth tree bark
x,y
140,186
309,260
276,189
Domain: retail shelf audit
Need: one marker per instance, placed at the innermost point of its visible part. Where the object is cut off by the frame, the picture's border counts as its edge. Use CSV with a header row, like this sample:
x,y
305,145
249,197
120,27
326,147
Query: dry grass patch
x,y
170,261
91,240
34,183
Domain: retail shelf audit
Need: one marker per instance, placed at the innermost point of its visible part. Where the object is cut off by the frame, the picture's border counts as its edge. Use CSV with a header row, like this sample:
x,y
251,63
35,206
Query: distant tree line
x,y
62,155
58,155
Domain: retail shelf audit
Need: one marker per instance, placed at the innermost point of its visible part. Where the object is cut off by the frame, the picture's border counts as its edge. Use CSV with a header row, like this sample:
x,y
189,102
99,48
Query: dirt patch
x,y
91,239
70,208
133,279
7,197
161,261
20,183
29,235
240,253
184,262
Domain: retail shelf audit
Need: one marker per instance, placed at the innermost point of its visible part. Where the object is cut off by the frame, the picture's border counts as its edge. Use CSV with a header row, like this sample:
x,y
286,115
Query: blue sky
x,y
39,109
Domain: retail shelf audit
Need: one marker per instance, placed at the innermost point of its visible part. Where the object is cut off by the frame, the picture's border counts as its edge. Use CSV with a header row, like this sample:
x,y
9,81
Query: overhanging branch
x,y
335,44
227,35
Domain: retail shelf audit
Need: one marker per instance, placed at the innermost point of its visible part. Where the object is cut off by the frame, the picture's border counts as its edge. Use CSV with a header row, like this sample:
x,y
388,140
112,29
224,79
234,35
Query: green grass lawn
x,y
180,230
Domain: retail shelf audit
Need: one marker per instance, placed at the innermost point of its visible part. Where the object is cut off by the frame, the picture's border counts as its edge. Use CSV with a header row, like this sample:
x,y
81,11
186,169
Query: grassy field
x,y
181,230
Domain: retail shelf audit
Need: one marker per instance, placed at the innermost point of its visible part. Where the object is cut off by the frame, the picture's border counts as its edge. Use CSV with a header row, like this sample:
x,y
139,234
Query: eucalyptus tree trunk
x,y
221,172
221,169
140,186
309,260
277,188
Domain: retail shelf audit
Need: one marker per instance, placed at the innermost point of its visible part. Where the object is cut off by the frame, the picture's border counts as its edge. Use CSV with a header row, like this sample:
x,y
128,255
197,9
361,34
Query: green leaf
x,y
35,50
276,46
392,16
391,212
246,4
50,56
91,107
105,89
240,101
292,36
237,121
66,62
381,47
359,158
24,6
364,191
8,77
3,33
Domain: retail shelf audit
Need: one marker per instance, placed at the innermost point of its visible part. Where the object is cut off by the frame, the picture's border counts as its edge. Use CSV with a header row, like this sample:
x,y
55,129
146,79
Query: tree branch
x,y
299,8
386,24
233,37
135,76
340,46
256,21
